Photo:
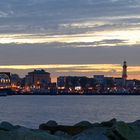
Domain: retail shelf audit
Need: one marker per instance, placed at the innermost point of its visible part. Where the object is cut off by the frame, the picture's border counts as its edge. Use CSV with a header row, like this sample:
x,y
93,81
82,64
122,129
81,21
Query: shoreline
x,y
73,94
5,92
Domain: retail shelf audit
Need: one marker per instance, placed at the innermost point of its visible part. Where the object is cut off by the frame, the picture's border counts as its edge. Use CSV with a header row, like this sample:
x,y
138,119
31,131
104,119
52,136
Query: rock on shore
x,y
10,132
110,130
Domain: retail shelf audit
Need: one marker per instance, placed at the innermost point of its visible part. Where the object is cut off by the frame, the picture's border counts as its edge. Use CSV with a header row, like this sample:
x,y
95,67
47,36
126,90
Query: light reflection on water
x,y
30,111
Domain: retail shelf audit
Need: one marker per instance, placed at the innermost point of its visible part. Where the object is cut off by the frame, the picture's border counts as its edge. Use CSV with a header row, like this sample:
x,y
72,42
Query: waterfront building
x,y
136,86
38,79
68,83
15,82
100,82
52,88
118,82
100,79
109,84
61,82
130,85
72,84
104,84
5,80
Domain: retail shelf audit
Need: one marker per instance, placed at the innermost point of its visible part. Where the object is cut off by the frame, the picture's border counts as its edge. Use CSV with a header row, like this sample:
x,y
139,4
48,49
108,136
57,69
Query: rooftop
x,y
39,72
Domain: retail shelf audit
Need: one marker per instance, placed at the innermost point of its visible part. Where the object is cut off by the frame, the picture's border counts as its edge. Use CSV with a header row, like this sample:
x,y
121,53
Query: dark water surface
x,y
30,111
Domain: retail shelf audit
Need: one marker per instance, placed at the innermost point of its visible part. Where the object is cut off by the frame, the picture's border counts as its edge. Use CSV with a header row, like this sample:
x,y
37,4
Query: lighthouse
x,y
124,73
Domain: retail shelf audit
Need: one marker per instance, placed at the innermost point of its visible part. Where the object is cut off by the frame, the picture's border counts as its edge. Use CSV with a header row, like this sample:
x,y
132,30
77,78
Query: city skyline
x,y
71,37
41,81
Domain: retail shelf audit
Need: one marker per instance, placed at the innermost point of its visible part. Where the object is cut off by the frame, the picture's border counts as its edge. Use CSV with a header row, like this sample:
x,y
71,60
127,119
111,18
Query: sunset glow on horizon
x,y
113,70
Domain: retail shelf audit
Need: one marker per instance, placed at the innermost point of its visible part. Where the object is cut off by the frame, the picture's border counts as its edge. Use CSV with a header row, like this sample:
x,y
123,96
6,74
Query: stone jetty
x,y
51,130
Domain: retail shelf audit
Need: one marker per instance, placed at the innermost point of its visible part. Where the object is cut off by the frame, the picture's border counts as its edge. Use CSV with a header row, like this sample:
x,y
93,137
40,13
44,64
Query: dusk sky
x,y
70,37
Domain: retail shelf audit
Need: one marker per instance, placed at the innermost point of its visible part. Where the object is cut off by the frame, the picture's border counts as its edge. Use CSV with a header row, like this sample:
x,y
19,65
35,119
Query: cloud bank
x,y
69,31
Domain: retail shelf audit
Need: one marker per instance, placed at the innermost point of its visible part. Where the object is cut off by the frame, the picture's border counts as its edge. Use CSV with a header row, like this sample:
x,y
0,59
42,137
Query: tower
x,y
124,73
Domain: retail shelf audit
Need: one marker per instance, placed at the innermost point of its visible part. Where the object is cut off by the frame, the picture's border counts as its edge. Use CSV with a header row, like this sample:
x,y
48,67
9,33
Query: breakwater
x,y
51,130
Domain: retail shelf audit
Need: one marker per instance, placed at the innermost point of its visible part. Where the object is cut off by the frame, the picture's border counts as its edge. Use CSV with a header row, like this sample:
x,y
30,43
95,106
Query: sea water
x,y
30,111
